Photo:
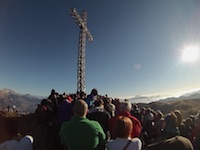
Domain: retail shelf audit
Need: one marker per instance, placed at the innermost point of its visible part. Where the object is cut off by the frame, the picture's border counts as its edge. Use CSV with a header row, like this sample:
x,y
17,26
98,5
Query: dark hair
x,y
94,92
98,102
171,120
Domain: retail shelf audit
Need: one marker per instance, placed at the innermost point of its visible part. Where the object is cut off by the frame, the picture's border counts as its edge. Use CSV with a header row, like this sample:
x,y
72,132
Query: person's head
x,y
148,111
98,102
80,108
53,91
94,92
44,102
125,106
178,142
134,107
82,95
188,122
123,127
179,116
159,115
171,120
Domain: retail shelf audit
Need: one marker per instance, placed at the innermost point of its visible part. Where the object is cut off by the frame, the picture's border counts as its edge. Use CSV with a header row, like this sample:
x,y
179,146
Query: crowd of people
x,y
92,121
95,122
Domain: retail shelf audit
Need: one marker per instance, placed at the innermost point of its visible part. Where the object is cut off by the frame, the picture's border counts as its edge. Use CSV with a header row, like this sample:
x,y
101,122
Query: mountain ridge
x,y
156,98
24,103
27,103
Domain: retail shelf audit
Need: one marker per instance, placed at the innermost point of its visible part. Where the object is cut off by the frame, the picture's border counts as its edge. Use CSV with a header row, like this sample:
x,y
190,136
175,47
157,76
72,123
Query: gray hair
x,y
125,106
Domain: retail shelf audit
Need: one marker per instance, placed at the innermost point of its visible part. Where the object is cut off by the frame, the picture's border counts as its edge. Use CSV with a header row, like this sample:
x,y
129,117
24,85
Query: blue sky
x,y
136,50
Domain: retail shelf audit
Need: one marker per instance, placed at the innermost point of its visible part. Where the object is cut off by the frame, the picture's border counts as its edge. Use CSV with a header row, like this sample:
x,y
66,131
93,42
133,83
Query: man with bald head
x,y
80,132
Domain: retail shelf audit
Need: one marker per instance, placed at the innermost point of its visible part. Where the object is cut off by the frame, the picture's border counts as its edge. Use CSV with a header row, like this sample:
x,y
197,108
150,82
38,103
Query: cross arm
x,y
81,23
77,17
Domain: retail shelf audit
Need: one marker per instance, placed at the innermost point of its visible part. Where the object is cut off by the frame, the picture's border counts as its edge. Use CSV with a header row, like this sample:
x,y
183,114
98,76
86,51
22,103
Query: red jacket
x,y
137,127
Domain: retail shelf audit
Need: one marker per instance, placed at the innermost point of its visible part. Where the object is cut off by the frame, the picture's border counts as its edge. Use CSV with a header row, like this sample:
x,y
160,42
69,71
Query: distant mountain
x,y
187,107
145,99
192,95
20,102
188,103
149,99
186,96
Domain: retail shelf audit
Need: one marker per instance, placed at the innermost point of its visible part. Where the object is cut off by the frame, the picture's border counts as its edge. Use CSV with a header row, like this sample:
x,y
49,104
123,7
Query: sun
x,y
190,54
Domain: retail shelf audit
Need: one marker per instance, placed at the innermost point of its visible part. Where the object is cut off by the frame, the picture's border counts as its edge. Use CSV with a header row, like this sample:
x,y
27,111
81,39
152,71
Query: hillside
x,y
24,103
187,107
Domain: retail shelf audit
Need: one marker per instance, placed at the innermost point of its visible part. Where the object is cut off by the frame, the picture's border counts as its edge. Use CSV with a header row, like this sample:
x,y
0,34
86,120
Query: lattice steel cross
x,y
84,32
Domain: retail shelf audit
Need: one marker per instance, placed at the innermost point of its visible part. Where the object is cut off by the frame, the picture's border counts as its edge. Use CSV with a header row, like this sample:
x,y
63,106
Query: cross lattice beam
x,y
81,22
84,32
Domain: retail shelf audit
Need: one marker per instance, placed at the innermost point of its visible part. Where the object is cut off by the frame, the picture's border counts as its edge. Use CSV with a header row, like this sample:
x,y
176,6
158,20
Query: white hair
x,y
125,106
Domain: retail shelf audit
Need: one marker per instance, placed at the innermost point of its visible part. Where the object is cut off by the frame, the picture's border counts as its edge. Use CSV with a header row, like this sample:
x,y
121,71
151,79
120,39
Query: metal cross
x,y
84,32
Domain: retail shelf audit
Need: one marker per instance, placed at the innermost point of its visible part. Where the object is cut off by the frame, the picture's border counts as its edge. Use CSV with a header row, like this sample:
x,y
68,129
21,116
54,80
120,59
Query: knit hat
x,y
177,143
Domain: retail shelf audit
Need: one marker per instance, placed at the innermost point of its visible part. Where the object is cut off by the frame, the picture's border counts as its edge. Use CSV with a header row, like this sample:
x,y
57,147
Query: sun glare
x,y
190,54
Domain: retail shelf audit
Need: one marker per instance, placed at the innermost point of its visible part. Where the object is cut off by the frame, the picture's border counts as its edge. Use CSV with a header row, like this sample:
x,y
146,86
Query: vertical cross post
x,y
84,32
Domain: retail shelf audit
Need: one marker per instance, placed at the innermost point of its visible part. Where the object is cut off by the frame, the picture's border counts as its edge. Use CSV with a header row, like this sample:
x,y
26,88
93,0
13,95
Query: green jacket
x,y
82,134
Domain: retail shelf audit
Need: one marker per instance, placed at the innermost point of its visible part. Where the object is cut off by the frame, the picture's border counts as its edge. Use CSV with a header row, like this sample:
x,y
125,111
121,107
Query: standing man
x,y
80,132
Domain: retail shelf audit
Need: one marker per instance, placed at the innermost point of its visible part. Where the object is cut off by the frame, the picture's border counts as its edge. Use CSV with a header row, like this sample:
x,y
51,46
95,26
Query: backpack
x,y
43,114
